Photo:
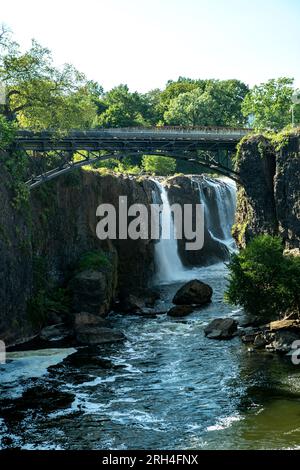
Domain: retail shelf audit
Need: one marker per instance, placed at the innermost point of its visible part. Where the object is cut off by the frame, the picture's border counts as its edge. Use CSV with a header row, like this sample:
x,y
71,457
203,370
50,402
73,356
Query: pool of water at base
x,y
165,387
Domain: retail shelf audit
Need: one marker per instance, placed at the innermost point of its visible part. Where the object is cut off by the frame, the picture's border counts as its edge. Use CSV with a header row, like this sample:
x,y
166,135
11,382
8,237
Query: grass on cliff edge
x,y
276,139
264,280
93,260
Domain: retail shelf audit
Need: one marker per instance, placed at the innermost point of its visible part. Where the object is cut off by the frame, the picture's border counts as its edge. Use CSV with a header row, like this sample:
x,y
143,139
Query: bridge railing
x,y
183,129
168,130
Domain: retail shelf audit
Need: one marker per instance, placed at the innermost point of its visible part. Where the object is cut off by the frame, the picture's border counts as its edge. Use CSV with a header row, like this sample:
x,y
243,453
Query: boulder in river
x,y
221,328
59,332
92,335
180,310
194,292
83,319
137,302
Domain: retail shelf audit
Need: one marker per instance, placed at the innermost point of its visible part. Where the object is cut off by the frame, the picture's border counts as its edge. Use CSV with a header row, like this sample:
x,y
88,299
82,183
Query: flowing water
x,y
169,267
219,199
166,387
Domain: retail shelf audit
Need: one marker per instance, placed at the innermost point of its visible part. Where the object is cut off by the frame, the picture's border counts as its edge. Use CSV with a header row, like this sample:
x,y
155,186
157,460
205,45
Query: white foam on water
x,y
23,365
224,423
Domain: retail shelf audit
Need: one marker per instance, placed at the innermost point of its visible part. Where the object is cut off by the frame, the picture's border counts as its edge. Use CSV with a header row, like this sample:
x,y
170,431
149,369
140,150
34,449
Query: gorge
x,y
138,391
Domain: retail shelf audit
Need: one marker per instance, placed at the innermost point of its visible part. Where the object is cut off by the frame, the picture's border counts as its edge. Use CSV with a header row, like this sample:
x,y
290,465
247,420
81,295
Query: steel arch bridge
x,y
208,147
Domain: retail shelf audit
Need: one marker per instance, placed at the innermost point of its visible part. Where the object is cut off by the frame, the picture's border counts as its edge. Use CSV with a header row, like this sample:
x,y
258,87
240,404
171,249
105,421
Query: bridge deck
x,y
134,139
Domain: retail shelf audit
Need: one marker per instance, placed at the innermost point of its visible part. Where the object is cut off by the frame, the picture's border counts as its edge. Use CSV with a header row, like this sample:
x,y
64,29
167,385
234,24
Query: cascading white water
x,y
169,267
219,201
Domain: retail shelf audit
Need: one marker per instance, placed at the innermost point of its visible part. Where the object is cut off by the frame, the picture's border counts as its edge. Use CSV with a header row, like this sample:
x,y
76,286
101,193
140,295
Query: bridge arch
x,y
180,143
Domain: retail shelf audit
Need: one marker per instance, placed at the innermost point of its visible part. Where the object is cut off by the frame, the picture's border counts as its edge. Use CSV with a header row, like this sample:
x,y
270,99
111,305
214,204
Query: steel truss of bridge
x,y
209,147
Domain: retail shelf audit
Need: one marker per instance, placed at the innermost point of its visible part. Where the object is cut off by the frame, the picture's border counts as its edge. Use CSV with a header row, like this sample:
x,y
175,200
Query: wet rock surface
x,y
194,292
59,332
85,329
138,301
276,336
180,310
221,328
91,334
83,319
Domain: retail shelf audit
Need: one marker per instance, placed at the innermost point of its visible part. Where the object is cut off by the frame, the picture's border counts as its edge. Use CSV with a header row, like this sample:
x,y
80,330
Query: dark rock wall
x,y
58,227
269,196
15,265
287,193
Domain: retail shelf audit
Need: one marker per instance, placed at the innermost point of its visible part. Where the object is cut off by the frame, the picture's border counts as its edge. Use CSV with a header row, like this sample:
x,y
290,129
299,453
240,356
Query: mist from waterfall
x,y
169,267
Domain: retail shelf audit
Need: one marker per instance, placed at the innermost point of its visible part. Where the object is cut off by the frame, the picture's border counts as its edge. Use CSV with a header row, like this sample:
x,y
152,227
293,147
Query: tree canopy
x,y
40,95
270,104
210,103
121,108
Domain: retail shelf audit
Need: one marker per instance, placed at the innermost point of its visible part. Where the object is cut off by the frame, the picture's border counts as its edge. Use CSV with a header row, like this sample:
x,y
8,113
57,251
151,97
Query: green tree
x,y
263,280
153,111
270,104
121,108
157,165
218,103
39,95
177,88
7,132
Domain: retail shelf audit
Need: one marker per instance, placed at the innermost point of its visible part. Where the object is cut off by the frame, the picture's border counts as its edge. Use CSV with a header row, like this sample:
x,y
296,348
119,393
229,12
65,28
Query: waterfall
x,y
169,267
219,199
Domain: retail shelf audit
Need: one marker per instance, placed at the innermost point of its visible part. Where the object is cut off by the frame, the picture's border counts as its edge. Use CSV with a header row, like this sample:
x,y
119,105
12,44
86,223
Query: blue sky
x,y
146,42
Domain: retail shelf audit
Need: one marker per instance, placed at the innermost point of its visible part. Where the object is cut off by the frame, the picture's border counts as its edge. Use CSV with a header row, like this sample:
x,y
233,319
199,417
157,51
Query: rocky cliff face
x,y
49,249
47,239
15,266
269,197
287,192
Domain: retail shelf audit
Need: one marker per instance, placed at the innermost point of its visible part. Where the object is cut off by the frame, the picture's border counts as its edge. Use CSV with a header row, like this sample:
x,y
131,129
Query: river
x,y
166,387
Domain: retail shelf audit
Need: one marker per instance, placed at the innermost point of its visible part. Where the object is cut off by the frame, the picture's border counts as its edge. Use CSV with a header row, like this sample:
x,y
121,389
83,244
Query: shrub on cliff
x,y
263,280
7,132
96,260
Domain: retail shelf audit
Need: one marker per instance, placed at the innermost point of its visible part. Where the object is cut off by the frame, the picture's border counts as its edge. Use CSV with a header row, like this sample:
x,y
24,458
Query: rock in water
x,y
91,334
57,332
136,302
83,319
180,310
193,292
221,328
